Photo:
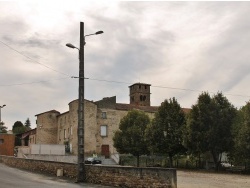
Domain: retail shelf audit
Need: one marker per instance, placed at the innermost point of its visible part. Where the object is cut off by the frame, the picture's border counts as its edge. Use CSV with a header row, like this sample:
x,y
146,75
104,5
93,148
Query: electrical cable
x,y
33,59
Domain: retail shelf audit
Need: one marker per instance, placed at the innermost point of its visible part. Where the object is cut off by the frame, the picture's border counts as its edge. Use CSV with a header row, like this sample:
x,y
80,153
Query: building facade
x,y
101,120
7,142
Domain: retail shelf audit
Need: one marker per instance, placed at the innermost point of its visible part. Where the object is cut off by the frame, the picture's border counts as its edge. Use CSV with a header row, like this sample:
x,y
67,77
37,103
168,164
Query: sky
x,y
180,48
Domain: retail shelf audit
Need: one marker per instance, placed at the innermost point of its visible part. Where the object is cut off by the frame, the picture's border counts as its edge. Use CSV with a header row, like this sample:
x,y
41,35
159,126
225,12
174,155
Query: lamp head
x,y
99,32
70,45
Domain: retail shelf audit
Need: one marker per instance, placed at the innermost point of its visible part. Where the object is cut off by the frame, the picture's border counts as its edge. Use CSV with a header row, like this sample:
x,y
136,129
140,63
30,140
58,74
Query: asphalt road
x,y
13,178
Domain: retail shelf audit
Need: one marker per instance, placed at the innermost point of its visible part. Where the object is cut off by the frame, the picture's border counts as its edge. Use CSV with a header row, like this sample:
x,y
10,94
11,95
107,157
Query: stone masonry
x,y
117,176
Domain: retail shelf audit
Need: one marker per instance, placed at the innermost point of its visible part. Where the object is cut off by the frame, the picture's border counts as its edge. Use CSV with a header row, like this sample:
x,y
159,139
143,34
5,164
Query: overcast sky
x,y
185,47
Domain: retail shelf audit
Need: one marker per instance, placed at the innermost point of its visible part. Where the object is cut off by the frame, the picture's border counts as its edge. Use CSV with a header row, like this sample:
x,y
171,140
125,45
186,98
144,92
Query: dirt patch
x,y
189,179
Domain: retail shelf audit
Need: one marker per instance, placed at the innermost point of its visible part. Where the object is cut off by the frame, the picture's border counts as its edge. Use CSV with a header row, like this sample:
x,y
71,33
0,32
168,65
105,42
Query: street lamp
x,y
0,111
81,176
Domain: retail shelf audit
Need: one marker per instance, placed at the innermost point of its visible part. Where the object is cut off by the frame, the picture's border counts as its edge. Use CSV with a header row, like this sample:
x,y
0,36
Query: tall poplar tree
x,y
165,135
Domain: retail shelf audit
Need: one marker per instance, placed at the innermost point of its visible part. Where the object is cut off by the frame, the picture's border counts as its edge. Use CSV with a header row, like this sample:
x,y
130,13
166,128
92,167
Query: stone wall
x,y
117,176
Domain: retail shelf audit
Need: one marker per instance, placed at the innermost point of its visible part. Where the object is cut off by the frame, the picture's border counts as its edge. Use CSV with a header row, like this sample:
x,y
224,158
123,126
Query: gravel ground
x,y
189,179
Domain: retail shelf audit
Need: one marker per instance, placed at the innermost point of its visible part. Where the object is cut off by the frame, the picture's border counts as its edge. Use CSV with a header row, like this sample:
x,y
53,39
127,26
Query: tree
x,y
241,131
130,138
27,123
18,127
3,129
198,122
209,126
165,135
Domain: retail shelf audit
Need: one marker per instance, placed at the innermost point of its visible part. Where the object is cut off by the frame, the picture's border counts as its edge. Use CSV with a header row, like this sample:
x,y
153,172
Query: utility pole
x,y
81,173
81,176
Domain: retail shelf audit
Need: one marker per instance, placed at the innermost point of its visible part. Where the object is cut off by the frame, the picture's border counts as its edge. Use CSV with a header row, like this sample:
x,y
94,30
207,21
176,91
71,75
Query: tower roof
x,y
140,84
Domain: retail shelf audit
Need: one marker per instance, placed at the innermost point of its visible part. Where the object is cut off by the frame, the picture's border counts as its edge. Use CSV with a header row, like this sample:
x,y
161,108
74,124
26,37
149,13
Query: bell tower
x,y
140,94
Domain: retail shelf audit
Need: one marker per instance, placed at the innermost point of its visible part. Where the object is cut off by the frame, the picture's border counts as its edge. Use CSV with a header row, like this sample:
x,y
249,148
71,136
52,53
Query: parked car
x,y
226,164
93,160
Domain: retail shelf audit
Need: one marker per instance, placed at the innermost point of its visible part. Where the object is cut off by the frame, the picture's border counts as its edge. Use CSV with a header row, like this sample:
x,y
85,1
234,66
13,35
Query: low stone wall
x,y
47,167
117,176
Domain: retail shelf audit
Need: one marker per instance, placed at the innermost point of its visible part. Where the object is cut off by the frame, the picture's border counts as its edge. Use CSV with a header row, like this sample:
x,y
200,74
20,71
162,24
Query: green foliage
x,y
27,123
209,126
165,135
18,128
198,122
241,132
3,129
130,138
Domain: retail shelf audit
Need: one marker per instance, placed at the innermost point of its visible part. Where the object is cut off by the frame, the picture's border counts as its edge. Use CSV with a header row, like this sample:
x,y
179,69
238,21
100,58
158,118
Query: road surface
x,y
13,178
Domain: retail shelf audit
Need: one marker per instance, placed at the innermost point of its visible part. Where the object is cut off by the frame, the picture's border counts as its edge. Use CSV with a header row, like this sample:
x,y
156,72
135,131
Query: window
x,y
60,134
142,97
71,130
104,130
1,141
65,133
104,115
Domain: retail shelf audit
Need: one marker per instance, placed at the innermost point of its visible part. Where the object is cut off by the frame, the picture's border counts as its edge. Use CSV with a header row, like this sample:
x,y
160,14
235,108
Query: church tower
x,y
140,94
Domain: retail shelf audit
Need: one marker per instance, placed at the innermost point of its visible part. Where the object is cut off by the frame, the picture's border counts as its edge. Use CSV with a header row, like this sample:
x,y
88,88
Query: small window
x,y
104,130
1,141
71,131
139,86
145,87
65,134
104,115
60,134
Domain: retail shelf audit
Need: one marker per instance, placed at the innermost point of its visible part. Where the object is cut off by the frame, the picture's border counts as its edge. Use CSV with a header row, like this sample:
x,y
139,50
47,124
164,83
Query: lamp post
x,y
81,175
0,112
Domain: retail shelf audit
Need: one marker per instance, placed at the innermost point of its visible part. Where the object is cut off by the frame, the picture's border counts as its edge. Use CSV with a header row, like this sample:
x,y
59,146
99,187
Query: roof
x,y
120,106
186,110
50,111
153,109
140,84
26,133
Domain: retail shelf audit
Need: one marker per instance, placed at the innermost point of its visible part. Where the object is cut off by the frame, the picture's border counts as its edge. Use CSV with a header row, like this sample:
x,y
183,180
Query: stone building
x,y
101,120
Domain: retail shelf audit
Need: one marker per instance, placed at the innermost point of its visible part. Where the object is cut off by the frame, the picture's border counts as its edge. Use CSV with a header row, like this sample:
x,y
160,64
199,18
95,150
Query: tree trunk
x,y
170,160
199,161
138,160
216,160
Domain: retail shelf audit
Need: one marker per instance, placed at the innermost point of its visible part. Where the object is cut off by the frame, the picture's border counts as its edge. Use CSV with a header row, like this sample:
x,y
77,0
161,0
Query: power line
x,y
167,87
118,82
33,59
28,83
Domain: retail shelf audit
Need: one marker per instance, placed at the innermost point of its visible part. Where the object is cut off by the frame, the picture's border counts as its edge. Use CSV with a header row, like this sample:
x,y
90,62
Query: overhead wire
x,y
33,59
94,79
28,83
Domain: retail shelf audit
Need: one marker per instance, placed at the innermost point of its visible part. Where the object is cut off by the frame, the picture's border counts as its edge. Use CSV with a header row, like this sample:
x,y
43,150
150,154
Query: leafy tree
x,y
130,138
27,123
241,132
165,135
209,126
18,127
3,129
198,122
